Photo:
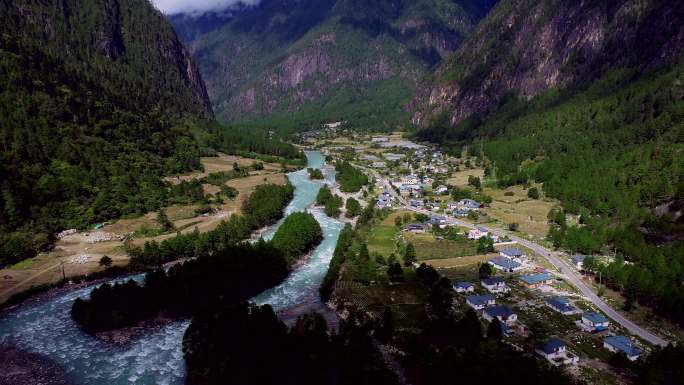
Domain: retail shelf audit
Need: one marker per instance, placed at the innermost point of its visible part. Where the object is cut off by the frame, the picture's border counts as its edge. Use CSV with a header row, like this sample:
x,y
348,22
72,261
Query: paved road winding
x,y
571,274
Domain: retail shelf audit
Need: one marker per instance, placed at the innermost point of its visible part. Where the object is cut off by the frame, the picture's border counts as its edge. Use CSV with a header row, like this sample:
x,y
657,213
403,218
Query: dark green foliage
x,y
410,255
441,298
350,178
427,275
494,332
164,221
247,344
105,261
662,367
395,272
234,274
221,177
229,192
344,243
271,199
466,193
329,201
264,207
475,182
315,173
485,270
420,217
353,208
485,245
533,193
297,235
88,125
513,226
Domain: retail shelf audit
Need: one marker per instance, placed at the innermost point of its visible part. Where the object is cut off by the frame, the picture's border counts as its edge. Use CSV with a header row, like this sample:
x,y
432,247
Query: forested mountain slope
x,y
322,60
588,99
97,100
525,47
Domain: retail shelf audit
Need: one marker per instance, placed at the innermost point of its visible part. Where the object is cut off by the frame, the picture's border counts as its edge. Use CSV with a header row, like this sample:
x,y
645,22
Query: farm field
x,y
79,253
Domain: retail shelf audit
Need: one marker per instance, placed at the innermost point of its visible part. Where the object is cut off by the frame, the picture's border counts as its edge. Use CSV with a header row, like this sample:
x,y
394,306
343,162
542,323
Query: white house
x,y
504,314
465,287
557,353
478,233
441,189
513,254
479,302
578,261
494,285
468,204
594,322
622,344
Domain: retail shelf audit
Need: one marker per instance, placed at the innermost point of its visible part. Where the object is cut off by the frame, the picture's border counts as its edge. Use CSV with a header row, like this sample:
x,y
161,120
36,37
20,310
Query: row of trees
x,y
234,274
264,207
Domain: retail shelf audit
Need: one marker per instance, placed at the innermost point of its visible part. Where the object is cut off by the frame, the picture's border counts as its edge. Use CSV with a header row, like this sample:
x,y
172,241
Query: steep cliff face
x,y
286,56
525,47
126,43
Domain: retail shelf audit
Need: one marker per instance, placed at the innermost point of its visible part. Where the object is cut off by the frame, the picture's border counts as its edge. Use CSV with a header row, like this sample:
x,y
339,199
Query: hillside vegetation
x,y
299,63
98,100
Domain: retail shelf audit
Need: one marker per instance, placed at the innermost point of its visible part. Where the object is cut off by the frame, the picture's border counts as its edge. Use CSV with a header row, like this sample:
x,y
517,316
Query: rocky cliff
x,y
525,47
301,56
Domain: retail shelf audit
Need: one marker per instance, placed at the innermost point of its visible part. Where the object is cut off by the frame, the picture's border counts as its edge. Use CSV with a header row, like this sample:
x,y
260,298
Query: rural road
x,y
572,275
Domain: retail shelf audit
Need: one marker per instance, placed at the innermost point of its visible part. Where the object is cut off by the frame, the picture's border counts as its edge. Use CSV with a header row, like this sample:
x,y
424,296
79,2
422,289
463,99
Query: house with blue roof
x,y
505,264
513,254
534,281
494,285
561,305
594,322
556,352
468,204
479,302
622,344
503,313
464,287
578,260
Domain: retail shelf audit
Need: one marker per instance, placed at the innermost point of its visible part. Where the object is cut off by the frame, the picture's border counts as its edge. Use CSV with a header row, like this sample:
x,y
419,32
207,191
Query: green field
x,y
429,247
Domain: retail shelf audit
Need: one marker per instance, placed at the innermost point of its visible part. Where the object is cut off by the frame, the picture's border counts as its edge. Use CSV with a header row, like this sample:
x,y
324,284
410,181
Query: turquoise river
x,y
46,328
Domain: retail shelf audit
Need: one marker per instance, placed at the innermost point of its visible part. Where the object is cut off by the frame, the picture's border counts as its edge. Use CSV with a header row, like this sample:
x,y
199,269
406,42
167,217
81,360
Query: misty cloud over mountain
x,y
198,7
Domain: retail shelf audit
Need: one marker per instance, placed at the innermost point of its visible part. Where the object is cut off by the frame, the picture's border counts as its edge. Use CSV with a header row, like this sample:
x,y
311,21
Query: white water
x,y
156,357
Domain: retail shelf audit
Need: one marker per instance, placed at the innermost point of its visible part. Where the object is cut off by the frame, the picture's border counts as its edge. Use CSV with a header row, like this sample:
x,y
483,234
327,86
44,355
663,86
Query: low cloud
x,y
197,7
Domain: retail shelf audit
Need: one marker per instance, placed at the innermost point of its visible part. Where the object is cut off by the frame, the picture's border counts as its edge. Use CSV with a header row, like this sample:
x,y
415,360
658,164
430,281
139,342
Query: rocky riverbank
x,y
18,367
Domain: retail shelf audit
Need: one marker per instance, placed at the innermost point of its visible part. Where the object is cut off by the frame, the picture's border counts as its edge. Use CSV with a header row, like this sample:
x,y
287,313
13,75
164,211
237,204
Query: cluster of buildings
x,y
554,350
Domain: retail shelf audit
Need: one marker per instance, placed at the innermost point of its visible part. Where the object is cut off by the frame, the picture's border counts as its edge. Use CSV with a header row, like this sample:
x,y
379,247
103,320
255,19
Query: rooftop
x,y
492,280
595,317
463,285
561,303
533,279
624,344
552,345
499,311
505,262
480,299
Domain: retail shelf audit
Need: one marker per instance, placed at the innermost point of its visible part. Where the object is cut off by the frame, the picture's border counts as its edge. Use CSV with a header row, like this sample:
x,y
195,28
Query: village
x,y
436,202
